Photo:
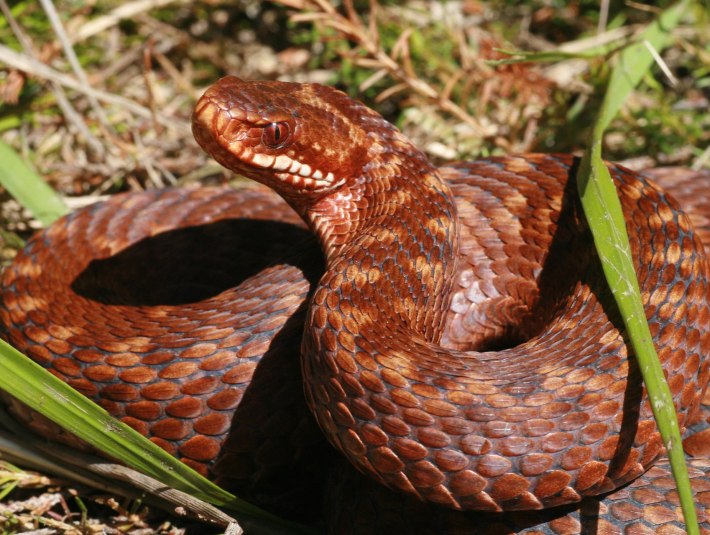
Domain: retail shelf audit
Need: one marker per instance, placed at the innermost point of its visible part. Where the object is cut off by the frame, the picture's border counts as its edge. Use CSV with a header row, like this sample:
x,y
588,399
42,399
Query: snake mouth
x,y
293,172
234,136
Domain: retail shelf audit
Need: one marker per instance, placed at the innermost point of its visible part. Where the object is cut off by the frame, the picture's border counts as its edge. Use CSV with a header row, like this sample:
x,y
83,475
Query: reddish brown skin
x,y
158,306
537,425
427,271
358,506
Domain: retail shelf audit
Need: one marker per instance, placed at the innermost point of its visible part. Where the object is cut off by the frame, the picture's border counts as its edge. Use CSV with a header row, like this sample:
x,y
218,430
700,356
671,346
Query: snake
x,y
448,330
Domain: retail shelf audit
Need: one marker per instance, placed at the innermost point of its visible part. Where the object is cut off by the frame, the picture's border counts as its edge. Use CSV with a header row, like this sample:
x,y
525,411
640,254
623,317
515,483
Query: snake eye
x,y
275,134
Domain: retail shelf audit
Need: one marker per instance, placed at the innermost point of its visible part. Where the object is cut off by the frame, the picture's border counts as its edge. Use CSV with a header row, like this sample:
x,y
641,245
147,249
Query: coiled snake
x,y
461,347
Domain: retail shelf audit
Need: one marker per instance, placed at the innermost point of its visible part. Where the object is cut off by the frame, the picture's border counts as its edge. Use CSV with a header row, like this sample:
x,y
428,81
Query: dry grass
x,y
41,504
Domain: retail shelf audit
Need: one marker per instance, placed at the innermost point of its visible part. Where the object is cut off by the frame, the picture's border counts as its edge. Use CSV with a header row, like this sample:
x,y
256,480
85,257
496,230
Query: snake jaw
x,y
291,171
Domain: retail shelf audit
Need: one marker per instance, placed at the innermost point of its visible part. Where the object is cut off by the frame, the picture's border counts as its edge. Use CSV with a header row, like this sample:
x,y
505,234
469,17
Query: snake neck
x,y
390,236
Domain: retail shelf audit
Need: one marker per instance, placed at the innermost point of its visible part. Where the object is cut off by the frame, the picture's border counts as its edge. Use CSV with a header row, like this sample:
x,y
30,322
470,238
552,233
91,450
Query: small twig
x,y
373,79
124,11
15,27
661,64
580,45
587,43
390,92
178,77
643,7
24,448
401,50
179,499
147,163
451,83
603,16
372,22
58,27
148,77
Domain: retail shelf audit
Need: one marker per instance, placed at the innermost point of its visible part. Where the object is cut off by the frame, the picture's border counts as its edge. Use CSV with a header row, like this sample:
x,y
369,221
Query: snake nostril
x,y
221,122
231,128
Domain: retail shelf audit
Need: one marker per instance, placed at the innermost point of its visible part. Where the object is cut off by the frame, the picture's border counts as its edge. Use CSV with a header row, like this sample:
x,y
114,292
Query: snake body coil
x,y
461,347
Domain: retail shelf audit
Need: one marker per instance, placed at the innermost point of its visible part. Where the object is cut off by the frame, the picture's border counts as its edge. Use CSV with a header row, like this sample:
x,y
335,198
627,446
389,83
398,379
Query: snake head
x,y
303,140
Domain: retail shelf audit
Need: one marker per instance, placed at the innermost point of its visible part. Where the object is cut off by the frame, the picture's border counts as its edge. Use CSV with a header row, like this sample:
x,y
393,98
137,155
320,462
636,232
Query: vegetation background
x,y
118,119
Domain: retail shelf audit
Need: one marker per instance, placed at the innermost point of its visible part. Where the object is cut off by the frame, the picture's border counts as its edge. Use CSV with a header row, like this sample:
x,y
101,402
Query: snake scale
x,y
460,345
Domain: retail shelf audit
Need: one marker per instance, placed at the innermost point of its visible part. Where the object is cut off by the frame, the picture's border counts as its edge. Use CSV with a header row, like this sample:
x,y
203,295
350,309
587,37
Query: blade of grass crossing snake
x,y
45,393
603,212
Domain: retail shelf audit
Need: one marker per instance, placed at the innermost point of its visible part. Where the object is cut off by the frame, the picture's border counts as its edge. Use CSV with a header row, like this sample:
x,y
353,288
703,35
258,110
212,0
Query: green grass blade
x,y
551,56
28,188
634,62
606,221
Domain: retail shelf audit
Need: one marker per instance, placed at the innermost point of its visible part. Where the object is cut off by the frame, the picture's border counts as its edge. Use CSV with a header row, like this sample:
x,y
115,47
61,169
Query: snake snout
x,y
219,131
202,119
